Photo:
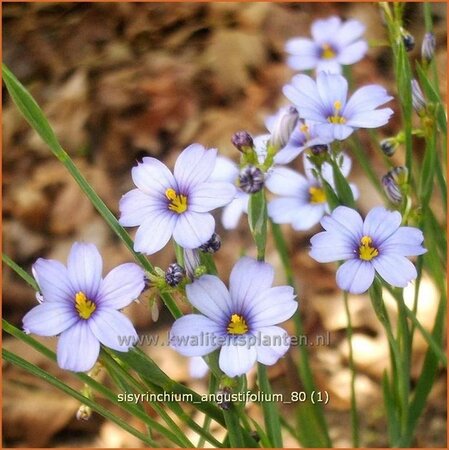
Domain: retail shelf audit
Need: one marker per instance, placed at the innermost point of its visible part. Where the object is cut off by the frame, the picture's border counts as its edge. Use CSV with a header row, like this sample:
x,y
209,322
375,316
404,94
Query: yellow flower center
x,y
327,52
305,129
84,306
317,195
178,202
366,251
237,325
336,118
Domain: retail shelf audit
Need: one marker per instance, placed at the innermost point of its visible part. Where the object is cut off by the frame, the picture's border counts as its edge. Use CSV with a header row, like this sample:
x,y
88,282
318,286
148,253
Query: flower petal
x,y
85,266
395,269
113,329
370,119
406,241
53,280
270,307
194,165
155,231
210,296
78,348
284,209
329,66
380,224
50,318
286,182
121,286
237,357
232,212
193,229
305,53
135,206
197,367
355,276
367,98
207,196
248,278
332,88
324,29
196,335
352,53
153,177
273,343
307,216
329,247
345,221
349,32
225,170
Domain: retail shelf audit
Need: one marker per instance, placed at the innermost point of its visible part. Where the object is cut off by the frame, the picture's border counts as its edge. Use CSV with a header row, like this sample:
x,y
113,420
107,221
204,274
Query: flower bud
x,y
389,146
428,47
191,262
242,141
212,245
284,125
174,274
408,40
224,398
418,100
84,413
320,149
251,179
393,183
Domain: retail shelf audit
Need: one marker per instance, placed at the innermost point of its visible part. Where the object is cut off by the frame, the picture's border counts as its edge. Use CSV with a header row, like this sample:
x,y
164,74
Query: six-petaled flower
x,y
82,307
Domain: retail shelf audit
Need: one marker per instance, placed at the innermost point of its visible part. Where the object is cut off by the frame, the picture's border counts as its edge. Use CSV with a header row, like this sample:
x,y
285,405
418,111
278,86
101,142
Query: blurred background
x,y
119,81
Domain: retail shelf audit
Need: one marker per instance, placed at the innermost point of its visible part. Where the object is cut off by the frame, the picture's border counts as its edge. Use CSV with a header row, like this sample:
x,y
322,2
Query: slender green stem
x,y
42,374
19,271
213,385
354,415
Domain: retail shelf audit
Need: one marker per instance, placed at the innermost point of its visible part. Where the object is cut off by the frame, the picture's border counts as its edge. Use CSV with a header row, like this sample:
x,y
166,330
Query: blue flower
x,y
325,103
378,244
302,201
334,44
82,307
166,205
241,320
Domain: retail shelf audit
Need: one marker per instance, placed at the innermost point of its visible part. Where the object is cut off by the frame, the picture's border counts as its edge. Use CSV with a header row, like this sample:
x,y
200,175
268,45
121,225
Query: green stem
x,y
354,415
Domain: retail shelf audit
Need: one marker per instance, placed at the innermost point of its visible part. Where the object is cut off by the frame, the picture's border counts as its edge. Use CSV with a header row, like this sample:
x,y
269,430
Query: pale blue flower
x,y
241,321
325,103
334,43
378,244
178,205
198,367
82,307
302,200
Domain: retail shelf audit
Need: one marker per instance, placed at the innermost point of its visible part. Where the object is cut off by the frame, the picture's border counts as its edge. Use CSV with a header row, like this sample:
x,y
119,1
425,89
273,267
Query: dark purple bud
x,y
212,245
242,140
251,179
174,274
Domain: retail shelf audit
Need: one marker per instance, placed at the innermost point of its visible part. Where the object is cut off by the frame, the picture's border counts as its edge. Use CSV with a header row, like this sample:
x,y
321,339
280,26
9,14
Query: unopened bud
x,y
393,183
408,40
251,179
389,146
418,100
192,262
223,397
212,245
320,149
428,47
242,141
284,125
174,274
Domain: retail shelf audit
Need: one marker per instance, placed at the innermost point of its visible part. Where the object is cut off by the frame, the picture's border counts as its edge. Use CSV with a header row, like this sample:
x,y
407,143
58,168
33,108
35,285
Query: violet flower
x,y
334,43
377,244
82,307
178,205
325,103
241,321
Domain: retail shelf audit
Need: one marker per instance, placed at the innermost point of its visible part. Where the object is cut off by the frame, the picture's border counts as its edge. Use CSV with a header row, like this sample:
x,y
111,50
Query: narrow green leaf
x,y
389,401
342,187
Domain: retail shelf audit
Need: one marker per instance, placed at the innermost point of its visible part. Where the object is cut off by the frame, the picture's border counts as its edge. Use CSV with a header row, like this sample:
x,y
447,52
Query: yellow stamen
x,y
84,306
327,52
178,202
336,118
366,251
317,195
237,325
